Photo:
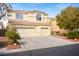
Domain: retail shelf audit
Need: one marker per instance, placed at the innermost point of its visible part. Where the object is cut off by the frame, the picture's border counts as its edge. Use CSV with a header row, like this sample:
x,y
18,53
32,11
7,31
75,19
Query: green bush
x,y
73,35
12,34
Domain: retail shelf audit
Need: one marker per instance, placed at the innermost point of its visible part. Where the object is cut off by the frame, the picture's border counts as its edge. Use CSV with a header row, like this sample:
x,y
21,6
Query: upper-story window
x,y
38,17
19,16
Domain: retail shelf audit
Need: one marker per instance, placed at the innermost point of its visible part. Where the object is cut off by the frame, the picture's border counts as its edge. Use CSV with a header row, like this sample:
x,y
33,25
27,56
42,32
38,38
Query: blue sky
x,y
52,9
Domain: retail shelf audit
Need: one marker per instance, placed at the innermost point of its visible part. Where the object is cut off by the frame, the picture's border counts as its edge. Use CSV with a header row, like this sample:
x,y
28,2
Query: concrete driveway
x,y
33,43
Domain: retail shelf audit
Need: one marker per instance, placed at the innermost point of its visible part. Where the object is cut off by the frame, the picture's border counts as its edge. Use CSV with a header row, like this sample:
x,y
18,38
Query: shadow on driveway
x,y
69,50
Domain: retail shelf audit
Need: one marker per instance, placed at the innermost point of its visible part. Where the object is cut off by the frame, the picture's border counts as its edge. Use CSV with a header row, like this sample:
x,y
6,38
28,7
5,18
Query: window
x,y
38,16
19,16
44,28
25,27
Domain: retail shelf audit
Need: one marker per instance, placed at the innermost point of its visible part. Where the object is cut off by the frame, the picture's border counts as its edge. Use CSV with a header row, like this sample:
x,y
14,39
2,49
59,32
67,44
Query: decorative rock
x,y
15,44
75,39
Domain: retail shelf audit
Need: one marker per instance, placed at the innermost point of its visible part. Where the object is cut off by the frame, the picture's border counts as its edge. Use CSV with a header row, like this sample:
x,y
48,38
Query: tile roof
x,y
24,22
27,12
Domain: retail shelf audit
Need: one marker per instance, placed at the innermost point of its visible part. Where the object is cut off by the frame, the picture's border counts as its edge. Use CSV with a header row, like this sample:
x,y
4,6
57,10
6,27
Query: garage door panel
x,y
46,32
26,32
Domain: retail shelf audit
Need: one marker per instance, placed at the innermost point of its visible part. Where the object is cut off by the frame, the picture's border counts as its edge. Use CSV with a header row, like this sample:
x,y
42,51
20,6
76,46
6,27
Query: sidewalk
x,y
5,51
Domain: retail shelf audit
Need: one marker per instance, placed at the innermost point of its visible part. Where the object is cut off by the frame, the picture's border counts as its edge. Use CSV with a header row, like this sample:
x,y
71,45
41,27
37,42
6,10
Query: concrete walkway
x,y
40,46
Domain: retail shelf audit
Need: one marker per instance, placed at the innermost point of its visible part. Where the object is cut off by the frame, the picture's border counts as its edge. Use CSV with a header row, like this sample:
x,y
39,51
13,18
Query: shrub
x,y
12,34
73,35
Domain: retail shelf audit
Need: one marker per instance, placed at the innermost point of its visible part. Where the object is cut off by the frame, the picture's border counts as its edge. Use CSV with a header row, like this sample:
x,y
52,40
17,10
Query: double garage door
x,y
33,31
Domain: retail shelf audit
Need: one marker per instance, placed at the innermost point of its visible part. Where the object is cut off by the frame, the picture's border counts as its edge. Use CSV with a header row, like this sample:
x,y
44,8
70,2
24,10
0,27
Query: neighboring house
x,y
30,23
55,27
4,8
3,23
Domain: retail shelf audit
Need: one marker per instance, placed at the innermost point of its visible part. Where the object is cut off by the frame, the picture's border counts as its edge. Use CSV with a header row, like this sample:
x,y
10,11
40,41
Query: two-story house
x,y
30,23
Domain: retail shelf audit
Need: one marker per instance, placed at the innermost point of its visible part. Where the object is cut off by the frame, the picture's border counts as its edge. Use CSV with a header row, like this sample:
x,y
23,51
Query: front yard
x,y
4,43
10,38
48,45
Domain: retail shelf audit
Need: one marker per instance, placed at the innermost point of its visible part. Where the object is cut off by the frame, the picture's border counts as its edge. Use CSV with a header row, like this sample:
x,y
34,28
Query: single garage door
x,y
33,31
46,31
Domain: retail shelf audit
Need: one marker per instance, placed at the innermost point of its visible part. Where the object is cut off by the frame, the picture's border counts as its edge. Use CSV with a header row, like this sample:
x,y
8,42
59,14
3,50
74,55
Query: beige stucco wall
x,y
30,17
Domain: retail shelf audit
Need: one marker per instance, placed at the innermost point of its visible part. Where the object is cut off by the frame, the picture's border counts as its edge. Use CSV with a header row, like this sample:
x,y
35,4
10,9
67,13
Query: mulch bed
x,y
11,46
4,42
71,40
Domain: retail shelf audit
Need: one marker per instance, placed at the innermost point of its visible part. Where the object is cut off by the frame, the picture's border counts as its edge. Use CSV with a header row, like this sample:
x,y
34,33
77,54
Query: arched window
x,y
38,17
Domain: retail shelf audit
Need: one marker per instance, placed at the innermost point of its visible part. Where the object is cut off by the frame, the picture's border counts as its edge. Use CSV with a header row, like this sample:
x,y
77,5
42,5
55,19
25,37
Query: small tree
x,y
12,35
69,18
